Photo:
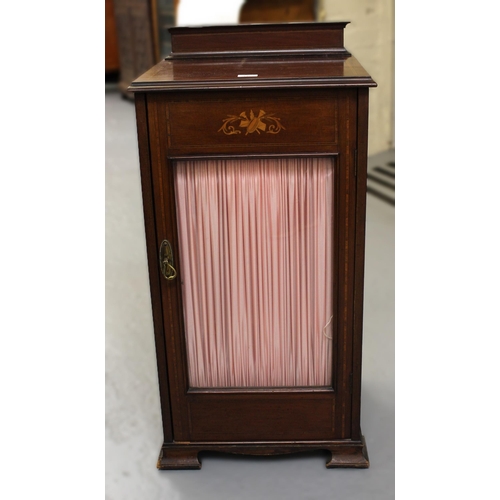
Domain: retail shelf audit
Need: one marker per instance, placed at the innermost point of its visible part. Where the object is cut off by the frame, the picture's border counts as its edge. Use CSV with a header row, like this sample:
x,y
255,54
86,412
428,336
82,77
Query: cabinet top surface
x,y
256,56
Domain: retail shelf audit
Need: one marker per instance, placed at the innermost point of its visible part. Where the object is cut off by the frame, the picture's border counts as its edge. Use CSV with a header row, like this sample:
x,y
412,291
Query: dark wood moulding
x,y
302,55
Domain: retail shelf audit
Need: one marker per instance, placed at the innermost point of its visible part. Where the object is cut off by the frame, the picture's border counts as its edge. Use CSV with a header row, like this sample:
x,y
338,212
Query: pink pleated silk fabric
x,y
256,264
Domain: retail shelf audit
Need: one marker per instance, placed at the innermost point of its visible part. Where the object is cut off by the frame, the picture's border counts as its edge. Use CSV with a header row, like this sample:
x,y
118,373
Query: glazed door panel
x,y
256,267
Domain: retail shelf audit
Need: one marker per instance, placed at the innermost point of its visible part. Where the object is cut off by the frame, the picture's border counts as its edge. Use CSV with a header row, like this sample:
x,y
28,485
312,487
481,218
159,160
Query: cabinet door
x,y
256,255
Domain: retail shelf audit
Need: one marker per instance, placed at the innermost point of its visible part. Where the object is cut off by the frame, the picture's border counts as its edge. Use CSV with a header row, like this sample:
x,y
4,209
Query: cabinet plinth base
x,y
344,453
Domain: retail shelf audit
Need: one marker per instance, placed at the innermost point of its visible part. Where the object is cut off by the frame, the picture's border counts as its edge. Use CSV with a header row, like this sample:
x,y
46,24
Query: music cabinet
x,y
252,146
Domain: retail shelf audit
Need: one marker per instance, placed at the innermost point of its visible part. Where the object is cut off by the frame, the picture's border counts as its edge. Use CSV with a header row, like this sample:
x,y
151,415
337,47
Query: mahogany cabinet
x,y
253,145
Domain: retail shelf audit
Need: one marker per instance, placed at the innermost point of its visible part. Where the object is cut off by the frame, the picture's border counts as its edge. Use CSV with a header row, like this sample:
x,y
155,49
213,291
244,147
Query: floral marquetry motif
x,y
265,122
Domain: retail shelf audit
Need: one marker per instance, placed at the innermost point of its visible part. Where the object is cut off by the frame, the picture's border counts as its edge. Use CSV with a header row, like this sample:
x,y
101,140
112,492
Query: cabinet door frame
x,y
172,365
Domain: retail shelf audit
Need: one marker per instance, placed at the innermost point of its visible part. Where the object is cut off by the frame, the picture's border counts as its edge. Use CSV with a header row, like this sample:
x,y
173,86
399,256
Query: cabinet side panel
x,y
347,185
359,264
151,246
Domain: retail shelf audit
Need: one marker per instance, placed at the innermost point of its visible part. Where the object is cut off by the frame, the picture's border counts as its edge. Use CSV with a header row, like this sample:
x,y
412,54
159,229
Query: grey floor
x,y
133,425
